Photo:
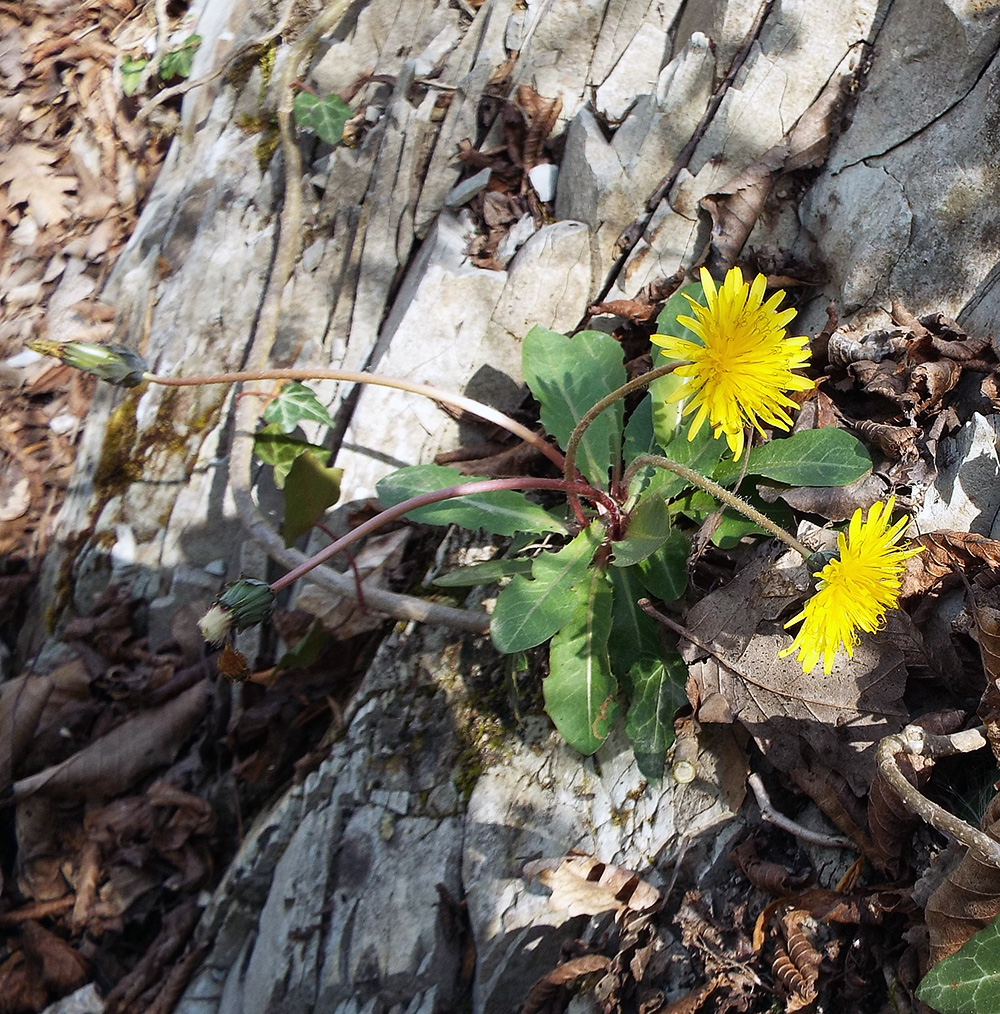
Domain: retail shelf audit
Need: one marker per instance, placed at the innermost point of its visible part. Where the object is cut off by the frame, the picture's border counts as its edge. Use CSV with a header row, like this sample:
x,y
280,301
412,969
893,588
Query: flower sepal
x,y
243,604
112,363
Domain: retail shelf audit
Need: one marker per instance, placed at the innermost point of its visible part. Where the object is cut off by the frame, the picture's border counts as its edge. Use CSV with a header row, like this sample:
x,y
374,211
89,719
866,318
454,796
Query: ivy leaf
x,y
664,573
502,513
824,457
177,63
324,114
279,450
529,612
647,529
968,982
132,69
568,376
310,489
296,403
633,632
482,573
580,691
657,685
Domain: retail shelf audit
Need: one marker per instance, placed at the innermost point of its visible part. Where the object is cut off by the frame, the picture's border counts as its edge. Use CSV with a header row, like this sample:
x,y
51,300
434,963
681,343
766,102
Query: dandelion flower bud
x,y
113,363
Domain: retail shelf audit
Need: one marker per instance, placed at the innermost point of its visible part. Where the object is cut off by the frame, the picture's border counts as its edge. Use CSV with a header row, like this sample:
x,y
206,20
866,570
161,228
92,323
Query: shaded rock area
x,y
366,887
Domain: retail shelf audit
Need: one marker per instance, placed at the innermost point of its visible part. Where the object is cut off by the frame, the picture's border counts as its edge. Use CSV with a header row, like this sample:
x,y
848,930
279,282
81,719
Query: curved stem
x,y
355,377
466,489
573,444
722,494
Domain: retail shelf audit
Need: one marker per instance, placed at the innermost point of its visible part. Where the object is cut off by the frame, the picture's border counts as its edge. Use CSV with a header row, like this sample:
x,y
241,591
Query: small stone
x,y
463,192
543,178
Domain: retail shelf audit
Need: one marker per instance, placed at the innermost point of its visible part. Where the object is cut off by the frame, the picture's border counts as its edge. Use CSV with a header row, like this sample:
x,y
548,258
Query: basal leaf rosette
x,y
738,375
855,589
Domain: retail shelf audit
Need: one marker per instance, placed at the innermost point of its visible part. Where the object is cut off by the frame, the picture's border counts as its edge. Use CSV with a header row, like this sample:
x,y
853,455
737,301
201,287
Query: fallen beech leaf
x,y
22,702
945,555
737,206
545,995
27,170
111,764
968,898
583,885
62,968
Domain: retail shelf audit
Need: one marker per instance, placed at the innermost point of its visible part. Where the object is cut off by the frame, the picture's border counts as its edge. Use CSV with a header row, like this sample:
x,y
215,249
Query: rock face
x,y
334,902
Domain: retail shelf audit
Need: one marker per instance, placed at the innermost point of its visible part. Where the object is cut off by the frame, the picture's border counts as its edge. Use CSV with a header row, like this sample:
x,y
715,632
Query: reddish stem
x,y
580,489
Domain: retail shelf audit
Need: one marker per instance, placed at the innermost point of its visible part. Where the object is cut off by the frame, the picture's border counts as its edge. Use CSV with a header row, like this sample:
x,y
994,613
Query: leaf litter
x,y
752,929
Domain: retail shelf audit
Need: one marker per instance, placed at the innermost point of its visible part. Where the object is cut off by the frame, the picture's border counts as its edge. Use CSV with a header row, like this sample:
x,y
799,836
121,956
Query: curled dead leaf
x,y
583,885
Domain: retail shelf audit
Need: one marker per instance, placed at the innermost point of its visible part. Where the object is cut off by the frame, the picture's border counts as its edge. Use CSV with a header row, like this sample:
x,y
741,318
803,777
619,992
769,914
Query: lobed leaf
x,y
326,115
279,450
177,63
580,690
502,513
529,612
296,403
310,489
568,376
968,982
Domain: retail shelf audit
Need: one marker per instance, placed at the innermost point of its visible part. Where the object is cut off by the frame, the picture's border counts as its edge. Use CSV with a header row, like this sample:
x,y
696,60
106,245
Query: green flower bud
x,y
243,604
113,363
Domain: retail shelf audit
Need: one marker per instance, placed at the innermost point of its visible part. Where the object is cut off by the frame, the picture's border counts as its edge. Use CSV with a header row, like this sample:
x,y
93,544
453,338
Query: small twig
x,y
915,741
185,86
774,816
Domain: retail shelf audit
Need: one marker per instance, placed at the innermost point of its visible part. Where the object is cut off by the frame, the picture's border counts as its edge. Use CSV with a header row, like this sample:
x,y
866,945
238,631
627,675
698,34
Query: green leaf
x,y
658,691
570,375
280,451
324,114
647,529
482,573
664,574
132,72
826,457
502,513
667,414
177,63
529,612
310,489
296,403
307,650
969,981
701,455
633,633
733,526
580,691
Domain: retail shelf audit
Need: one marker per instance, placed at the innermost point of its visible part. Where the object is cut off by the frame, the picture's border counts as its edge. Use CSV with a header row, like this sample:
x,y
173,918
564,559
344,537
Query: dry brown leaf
x,y
113,763
945,555
840,717
27,171
582,885
967,900
737,206
768,876
22,702
547,994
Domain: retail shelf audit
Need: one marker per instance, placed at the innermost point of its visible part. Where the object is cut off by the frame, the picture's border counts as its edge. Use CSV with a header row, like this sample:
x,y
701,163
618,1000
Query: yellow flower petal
x,y
738,376
855,590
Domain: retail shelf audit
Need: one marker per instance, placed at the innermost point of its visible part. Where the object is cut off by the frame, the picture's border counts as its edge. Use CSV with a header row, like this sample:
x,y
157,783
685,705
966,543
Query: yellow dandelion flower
x,y
739,374
855,591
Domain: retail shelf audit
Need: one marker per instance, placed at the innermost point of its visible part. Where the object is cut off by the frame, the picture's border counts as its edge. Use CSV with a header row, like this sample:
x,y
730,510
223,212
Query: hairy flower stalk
x,y
738,375
855,589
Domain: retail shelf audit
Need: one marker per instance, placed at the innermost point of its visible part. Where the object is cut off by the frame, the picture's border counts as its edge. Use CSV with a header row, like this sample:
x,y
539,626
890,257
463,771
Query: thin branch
x,y
915,741
769,813
459,401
